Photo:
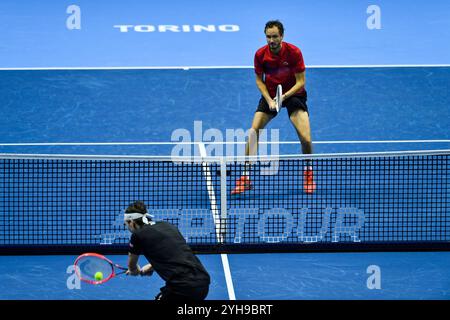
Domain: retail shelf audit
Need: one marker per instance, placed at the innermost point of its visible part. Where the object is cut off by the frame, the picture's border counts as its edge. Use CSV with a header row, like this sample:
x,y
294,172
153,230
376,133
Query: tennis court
x,y
92,119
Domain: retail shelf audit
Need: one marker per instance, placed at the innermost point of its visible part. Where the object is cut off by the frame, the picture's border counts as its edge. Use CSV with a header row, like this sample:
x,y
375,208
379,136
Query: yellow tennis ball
x,y
98,276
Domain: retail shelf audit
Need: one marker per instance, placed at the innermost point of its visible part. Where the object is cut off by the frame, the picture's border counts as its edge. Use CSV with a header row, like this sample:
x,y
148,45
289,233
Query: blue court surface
x,y
124,78
311,276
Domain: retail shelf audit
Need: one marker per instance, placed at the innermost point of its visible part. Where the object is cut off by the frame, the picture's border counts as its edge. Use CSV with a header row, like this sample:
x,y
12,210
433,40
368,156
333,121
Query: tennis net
x,y
361,201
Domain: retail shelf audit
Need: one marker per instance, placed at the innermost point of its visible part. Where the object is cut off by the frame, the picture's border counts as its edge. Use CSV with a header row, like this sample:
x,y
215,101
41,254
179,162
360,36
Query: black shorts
x,y
183,294
291,104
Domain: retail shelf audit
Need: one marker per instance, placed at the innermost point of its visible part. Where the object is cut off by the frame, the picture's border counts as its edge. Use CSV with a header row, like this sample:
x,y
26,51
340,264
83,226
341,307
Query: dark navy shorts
x,y
291,104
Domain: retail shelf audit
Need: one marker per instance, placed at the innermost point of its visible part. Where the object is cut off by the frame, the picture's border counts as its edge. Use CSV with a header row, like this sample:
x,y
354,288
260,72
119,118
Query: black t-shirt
x,y
166,249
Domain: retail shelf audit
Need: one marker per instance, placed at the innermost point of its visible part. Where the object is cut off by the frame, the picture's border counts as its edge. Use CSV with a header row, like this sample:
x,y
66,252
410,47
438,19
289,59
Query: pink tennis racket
x,y
88,264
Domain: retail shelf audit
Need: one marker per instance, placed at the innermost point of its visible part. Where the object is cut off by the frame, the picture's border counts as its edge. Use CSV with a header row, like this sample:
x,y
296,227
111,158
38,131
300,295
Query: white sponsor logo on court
x,y
73,282
148,28
374,20
374,280
73,22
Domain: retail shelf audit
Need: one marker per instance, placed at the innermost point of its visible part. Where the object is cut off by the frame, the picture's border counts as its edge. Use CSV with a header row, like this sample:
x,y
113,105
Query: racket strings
x,y
87,267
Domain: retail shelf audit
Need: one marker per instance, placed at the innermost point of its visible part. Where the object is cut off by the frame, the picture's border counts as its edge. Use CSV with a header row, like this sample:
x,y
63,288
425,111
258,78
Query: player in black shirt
x,y
168,253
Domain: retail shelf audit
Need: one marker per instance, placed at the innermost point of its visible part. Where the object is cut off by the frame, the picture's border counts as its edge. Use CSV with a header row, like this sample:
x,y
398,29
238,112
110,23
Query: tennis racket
x,y
278,98
88,264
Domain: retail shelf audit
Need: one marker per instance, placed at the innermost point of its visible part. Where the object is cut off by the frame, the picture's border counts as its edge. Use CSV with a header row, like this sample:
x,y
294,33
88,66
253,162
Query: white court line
x,y
228,278
211,193
375,141
127,68
225,67
48,144
215,210
380,66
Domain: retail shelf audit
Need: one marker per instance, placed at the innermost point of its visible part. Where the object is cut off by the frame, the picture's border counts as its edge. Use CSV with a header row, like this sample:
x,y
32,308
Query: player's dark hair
x,y
274,23
138,207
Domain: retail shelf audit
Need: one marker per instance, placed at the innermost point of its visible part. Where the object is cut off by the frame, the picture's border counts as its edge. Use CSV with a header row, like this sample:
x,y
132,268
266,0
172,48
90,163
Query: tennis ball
x,y
98,276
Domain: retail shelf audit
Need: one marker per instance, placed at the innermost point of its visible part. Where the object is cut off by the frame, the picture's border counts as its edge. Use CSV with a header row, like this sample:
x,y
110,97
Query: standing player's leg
x,y
260,120
300,120
298,114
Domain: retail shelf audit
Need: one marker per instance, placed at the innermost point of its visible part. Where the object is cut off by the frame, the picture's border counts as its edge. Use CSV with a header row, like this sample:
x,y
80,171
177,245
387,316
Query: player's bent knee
x,y
254,132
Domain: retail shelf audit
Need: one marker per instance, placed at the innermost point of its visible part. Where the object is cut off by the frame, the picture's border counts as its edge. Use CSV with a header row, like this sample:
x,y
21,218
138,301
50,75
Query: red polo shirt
x,y
280,68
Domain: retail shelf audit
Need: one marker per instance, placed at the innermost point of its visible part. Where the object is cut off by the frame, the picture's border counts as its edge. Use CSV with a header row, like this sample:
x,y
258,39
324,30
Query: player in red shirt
x,y
279,63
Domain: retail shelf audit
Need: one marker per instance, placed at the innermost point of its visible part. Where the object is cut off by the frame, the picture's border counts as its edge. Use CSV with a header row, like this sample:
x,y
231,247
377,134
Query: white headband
x,y
129,216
